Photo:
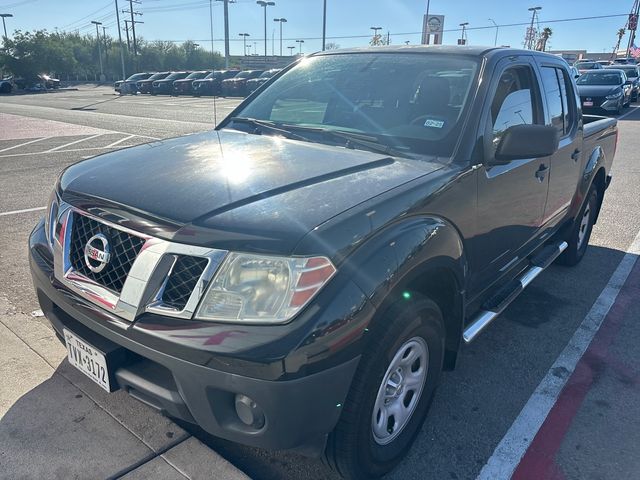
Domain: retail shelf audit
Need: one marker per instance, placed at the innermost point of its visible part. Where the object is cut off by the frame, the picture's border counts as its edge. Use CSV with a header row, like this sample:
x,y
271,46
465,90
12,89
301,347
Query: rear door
x,y
561,112
511,197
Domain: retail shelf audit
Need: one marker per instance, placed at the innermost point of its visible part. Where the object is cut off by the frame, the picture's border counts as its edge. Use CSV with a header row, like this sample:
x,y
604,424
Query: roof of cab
x,y
440,49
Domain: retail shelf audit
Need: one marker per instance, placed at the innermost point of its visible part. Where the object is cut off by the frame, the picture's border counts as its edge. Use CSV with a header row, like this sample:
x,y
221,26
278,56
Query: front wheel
x,y
391,391
580,234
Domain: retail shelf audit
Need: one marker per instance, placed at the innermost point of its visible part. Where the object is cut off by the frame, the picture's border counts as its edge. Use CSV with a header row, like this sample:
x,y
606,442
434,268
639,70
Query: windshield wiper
x,y
355,139
264,125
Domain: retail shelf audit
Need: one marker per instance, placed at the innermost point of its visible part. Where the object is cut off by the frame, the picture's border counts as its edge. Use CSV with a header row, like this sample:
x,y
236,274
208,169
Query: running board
x,y
496,304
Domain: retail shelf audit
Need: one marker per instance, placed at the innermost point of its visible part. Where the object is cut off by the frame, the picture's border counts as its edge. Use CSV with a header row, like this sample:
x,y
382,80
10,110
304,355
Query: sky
x,y
348,21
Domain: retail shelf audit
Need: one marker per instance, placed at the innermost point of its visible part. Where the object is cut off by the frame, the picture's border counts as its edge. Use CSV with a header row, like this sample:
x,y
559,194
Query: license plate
x,y
87,359
587,104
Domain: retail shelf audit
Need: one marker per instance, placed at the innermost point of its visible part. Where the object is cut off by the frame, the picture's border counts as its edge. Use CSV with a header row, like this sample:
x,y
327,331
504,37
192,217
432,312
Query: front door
x,y
512,196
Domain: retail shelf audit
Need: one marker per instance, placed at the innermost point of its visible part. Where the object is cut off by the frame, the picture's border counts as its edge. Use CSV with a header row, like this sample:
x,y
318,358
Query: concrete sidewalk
x,y
56,423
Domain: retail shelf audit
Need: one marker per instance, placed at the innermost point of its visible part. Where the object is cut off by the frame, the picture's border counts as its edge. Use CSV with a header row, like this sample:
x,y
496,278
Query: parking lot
x,y
489,415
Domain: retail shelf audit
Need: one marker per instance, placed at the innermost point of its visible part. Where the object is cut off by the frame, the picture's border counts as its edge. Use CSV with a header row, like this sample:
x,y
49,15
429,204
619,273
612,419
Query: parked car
x,y
117,85
130,85
145,86
49,82
625,61
632,72
185,86
255,83
237,86
301,278
165,85
605,90
5,86
604,63
211,84
586,65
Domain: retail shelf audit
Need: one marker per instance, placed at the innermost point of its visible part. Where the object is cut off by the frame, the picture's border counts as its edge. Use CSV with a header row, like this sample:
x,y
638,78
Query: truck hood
x,y
233,190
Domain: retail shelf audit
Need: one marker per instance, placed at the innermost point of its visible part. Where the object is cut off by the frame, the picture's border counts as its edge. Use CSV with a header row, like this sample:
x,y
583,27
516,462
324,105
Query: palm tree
x,y
542,41
620,34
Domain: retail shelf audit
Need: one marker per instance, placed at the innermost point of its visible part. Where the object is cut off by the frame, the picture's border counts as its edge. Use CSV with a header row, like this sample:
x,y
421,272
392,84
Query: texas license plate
x,y
587,104
87,359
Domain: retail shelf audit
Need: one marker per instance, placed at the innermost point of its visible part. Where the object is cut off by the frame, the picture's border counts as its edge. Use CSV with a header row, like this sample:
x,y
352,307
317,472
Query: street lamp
x,y
264,5
464,29
291,49
280,21
99,49
495,41
4,25
300,42
530,36
375,30
244,41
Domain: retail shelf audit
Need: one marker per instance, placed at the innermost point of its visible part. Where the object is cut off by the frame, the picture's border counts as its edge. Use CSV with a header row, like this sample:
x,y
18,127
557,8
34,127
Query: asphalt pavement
x,y
588,430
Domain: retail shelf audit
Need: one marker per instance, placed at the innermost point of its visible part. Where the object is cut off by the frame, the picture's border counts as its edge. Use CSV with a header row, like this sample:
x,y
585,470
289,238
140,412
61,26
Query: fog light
x,y
249,412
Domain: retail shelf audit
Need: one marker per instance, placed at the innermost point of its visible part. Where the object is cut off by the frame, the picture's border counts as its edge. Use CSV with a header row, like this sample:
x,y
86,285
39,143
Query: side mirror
x,y
526,141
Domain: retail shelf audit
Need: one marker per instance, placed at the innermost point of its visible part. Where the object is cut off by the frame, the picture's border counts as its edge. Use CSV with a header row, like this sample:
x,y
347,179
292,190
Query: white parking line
x,y
57,151
119,141
23,144
631,110
515,443
26,210
73,143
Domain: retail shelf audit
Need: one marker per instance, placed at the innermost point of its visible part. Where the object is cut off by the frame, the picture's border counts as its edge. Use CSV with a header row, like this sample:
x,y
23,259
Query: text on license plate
x,y
87,359
588,104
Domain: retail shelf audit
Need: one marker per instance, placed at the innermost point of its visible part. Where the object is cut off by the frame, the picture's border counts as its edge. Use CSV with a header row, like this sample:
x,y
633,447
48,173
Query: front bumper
x,y
298,413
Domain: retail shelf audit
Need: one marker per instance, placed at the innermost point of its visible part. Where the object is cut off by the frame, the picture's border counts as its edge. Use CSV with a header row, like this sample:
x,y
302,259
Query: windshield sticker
x,y
430,122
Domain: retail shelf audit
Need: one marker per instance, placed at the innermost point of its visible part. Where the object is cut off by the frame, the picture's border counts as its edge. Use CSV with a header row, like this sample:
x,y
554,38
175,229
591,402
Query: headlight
x,y
50,218
261,289
613,96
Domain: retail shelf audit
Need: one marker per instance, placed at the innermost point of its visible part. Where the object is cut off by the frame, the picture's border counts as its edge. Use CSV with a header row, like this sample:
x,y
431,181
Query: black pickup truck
x,y
299,277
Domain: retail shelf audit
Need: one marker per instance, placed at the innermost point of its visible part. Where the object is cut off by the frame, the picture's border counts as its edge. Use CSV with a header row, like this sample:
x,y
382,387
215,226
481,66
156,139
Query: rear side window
x,y
558,88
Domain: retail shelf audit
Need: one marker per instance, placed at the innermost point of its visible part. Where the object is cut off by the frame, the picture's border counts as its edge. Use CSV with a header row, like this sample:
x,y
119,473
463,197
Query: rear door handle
x,y
541,172
575,156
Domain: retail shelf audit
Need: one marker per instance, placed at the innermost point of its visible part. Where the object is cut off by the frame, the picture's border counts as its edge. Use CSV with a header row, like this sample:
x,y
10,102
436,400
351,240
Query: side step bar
x,y
496,304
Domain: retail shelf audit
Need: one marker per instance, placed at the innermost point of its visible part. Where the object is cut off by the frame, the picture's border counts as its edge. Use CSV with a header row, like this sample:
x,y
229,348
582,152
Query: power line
x,y
108,4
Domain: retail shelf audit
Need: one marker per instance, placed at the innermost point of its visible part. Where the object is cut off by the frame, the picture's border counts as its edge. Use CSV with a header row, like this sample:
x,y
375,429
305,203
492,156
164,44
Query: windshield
x,y
600,78
176,75
244,74
138,76
268,74
587,65
197,75
409,101
631,72
158,76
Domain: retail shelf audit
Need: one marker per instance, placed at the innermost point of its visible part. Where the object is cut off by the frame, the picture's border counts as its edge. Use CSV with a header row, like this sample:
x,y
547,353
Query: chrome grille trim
x,y
146,278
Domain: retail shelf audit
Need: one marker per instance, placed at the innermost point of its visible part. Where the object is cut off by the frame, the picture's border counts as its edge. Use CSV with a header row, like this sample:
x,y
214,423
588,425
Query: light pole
x,y
99,49
324,25
300,42
249,47
264,5
495,41
244,42
291,49
4,25
464,30
530,36
280,21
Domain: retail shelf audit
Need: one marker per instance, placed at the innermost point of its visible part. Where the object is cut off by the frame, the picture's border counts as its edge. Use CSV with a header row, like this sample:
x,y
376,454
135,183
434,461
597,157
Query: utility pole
x,y
264,5
226,33
211,26
99,49
324,26
133,22
273,41
126,29
530,38
4,25
633,25
244,42
120,39
281,21
495,40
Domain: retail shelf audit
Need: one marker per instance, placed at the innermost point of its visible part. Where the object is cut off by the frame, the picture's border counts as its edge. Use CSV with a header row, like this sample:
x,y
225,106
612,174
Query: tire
x,y
580,233
357,449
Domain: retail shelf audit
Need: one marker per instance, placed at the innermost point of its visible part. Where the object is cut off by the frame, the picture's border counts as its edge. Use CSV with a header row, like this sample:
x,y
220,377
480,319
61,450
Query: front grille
x,y
182,280
124,250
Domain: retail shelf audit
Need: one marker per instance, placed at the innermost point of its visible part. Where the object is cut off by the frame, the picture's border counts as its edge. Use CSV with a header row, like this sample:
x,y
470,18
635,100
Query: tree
x,y
331,46
544,37
620,34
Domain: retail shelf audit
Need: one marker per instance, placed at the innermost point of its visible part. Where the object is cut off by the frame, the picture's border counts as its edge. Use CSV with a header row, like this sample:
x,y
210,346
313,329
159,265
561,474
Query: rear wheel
x,y
391,391
580,234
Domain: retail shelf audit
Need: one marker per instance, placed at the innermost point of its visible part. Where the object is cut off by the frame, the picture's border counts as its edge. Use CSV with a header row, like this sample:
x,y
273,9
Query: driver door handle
x,y
542,172
575,156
